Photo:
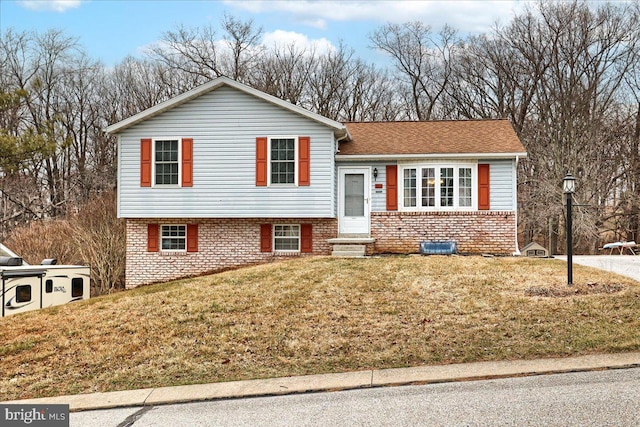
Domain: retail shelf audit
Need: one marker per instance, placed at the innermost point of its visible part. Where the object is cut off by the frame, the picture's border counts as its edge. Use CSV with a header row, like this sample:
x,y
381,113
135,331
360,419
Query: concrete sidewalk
x,y
343,381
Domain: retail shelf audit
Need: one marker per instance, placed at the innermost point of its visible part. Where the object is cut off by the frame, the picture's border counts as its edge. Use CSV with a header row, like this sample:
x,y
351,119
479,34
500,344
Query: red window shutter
x,y
306,238
192,237
304,160
145,162
392,187
261,161
153,235
187,162
265,237
483,187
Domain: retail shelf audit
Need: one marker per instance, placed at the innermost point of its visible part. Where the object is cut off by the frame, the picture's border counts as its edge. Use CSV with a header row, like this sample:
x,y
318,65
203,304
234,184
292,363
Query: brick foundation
x,y
475,232
227,243
222,243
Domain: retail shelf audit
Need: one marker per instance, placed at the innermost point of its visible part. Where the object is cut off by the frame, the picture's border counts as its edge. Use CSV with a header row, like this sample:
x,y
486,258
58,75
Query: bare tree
x,y
192,51
244,46
422,59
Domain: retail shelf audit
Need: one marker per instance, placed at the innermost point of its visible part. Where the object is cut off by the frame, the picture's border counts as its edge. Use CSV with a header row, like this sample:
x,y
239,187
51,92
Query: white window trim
x,y
185,238
153,162
287,251
295,161
456,186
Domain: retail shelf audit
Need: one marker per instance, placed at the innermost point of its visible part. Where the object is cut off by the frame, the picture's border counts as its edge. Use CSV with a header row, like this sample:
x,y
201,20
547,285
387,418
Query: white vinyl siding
x,y
224,125
502,176
502,181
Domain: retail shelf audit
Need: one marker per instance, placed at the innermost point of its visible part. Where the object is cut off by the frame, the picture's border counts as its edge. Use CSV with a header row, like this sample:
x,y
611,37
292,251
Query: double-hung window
x,y
282,163
167,162
286,238
438,187
173,237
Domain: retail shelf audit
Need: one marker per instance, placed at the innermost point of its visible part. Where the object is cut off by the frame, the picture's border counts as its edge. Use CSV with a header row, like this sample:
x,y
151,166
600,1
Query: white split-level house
x,y
225,175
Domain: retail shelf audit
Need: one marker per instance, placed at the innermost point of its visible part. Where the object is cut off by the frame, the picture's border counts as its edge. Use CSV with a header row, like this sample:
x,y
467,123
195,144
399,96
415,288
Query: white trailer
x,y
26,287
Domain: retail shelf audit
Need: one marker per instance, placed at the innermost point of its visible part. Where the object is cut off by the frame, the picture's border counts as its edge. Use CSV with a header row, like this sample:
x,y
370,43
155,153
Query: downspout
x,y
334,175
515,205
342,138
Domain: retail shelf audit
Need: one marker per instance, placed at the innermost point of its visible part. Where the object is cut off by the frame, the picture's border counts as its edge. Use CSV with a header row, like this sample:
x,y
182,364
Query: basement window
x,y
286,238
174,237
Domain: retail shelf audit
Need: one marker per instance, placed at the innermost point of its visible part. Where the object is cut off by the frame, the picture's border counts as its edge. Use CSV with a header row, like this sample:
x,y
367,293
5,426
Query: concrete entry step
x,y
349,250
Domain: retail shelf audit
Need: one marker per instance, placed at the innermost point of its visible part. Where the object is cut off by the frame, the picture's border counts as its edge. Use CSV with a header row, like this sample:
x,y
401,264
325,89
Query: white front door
x,y
354,200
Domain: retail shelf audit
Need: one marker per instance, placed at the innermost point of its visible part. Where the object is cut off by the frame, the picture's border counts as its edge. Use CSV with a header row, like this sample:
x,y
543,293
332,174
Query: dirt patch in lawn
x,y
581,289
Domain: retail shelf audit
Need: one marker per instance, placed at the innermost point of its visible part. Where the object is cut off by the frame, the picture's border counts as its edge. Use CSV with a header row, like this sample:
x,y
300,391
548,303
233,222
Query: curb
x,y
340,381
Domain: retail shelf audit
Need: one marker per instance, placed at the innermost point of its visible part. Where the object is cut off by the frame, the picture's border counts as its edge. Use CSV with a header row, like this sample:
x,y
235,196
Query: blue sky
x,y
109,30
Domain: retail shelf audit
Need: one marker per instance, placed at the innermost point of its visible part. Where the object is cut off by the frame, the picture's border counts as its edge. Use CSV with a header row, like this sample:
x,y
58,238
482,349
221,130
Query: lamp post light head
x,y
569,184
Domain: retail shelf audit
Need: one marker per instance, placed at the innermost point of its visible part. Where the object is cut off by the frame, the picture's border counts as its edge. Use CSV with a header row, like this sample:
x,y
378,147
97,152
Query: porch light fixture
x,y
375,174
569,187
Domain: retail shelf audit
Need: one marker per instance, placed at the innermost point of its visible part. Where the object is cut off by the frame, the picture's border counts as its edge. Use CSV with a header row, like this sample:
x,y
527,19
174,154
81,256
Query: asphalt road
x,y
601,398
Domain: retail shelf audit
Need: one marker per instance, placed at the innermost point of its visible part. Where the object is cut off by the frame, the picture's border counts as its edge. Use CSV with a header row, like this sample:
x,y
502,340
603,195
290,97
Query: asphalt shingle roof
x,y
434,137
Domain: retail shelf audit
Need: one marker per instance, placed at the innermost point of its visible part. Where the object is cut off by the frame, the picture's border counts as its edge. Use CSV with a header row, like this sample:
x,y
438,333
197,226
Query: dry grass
x,y
318,315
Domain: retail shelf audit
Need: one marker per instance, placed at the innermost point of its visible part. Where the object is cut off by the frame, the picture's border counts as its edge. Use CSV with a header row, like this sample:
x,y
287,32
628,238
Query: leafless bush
x,y
100,239
44,239
94,236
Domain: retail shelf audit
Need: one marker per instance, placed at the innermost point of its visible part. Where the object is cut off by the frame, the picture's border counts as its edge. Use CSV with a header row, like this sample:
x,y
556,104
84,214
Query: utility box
x,y
438,247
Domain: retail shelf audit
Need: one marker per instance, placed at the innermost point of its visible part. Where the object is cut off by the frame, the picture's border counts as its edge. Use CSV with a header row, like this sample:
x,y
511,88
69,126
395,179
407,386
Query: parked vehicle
x,y
27,287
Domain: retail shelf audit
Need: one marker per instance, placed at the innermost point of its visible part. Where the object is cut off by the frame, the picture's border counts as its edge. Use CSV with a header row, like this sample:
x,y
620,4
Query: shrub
x,y
93,236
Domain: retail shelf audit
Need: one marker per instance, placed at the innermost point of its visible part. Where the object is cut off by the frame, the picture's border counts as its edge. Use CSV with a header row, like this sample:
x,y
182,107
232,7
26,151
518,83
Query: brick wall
x,y
222,243
225,243
475,232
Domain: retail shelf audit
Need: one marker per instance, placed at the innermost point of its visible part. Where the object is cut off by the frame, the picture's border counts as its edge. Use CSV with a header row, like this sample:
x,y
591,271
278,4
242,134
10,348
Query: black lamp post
x,y
569,187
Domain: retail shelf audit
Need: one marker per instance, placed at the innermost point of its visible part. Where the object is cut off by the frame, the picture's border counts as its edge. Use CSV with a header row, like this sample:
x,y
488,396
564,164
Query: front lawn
x,y
318,315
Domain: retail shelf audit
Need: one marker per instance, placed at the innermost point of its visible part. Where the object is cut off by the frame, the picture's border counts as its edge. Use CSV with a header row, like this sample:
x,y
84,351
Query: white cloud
x,y
463,15
280,38
50,5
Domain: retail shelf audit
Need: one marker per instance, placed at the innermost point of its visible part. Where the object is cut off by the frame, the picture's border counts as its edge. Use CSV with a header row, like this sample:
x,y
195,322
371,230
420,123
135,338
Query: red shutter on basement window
x,y
192,237
392,187
265,237
306,238
187,162
483,187
153,234
145,162
304,161
261,162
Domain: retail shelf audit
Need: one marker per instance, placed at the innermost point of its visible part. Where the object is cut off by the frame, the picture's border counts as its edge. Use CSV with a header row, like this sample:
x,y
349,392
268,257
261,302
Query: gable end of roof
x,y
339,128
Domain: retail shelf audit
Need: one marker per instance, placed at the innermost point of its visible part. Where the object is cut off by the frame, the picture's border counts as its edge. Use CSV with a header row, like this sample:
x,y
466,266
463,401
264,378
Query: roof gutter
x,y
378,157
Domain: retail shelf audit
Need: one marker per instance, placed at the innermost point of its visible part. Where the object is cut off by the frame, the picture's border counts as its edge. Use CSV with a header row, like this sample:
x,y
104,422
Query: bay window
x,y
434,187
